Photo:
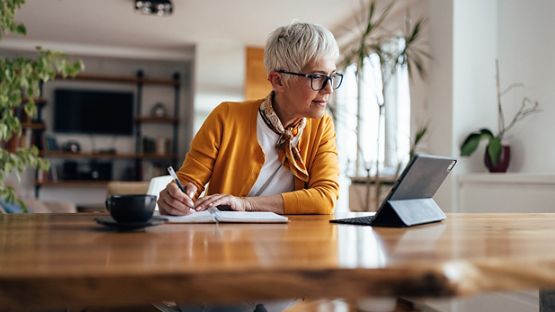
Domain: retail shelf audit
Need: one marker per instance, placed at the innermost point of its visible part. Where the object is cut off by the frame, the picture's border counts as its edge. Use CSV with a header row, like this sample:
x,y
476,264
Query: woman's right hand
x,y
172,201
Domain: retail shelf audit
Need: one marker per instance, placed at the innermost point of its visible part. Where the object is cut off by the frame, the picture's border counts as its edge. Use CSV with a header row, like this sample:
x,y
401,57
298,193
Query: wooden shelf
x,y
75,183
33,125
38,100
155,156
385,180
123,79
147,119
68,155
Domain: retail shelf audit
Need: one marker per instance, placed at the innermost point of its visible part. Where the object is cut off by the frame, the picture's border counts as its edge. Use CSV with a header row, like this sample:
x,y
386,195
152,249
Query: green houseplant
x,y
374,37
494,148
20,79
395,49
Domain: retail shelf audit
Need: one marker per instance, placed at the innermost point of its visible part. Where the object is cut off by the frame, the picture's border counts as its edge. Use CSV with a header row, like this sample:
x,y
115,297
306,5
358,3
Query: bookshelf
x,y
144,154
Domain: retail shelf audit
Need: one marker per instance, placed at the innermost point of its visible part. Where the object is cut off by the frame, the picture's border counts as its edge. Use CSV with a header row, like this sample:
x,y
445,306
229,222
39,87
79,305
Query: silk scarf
x,y
288,151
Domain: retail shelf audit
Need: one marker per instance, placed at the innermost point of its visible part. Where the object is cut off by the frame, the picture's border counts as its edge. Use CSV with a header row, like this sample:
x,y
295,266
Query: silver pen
x,y
174,176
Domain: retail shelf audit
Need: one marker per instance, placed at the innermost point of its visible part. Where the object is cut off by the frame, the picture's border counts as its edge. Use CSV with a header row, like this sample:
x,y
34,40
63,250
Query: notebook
x,y
410,200
213,215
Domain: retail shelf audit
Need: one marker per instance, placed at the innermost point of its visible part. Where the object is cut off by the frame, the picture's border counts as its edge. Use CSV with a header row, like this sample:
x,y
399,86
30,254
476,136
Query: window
x,y
357,116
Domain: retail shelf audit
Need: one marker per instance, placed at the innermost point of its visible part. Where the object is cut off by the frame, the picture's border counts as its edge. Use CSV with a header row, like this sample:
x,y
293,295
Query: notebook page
x,y
250,217
206,216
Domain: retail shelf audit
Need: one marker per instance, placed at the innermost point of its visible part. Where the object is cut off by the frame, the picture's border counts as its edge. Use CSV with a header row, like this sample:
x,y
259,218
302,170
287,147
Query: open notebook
x,y
213,215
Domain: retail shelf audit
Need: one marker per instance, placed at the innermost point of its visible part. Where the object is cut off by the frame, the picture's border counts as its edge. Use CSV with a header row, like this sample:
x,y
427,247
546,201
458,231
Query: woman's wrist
x,y
249,204
272,203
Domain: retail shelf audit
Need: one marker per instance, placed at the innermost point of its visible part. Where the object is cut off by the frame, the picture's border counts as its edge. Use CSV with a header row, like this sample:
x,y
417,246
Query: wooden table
x,y
67,259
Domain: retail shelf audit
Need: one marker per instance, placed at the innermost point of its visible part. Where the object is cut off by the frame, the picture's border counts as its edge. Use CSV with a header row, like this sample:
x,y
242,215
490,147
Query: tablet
x,y
410,200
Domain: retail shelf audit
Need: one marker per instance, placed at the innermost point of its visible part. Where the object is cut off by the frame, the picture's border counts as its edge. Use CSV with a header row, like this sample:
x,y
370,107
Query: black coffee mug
x,y
131,208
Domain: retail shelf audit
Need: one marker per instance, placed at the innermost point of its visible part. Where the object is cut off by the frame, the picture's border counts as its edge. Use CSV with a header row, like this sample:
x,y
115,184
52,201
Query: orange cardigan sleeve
x,y
322,190
199,162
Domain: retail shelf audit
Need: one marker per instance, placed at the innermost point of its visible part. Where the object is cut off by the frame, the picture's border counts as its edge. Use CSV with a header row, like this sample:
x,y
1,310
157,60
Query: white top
x,y
283,180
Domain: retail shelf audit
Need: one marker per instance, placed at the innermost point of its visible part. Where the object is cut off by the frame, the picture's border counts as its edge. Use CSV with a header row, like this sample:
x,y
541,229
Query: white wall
x,y
474,54
526,45
466,37
465,46
462,87
219,76
440,105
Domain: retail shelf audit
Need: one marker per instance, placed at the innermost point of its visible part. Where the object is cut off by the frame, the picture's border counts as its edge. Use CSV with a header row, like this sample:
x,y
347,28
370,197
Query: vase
x,y
13,144
504,160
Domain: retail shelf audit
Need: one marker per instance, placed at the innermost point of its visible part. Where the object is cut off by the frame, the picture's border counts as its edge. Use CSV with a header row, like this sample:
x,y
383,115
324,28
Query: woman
x,y
275,154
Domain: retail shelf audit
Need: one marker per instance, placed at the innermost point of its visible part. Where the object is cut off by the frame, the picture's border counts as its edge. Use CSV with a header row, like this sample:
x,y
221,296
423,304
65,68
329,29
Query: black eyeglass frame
x,y
312,77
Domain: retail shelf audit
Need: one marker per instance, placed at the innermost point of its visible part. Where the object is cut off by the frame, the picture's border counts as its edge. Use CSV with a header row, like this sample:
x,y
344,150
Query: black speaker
x,y
101,171
70,170
72,147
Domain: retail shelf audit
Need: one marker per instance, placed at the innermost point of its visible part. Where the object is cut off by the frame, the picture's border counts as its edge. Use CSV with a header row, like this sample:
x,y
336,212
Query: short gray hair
x,y
293,46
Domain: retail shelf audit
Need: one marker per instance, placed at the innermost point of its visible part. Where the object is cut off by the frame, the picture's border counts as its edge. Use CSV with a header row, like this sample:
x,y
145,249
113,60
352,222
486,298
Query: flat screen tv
x,y
93,112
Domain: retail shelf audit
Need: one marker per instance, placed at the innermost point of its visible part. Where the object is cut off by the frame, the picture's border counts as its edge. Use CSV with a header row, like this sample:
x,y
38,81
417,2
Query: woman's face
x,y
302,100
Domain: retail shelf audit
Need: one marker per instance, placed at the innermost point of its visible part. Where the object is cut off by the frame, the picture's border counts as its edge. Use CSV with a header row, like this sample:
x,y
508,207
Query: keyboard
x,y
357,221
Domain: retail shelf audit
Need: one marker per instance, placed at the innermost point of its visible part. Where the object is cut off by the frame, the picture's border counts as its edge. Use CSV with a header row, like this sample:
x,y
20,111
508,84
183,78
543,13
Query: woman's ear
x,y
276,80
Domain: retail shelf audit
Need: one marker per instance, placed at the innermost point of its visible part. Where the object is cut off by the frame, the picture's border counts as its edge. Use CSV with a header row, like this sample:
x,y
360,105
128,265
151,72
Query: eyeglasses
x,y
319,81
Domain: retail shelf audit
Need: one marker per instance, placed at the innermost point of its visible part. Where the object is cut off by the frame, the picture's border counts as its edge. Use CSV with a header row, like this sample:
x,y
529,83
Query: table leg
x,y
547,300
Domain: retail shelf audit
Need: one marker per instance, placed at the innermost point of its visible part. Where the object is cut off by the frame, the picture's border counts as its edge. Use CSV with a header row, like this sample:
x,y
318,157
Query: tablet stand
x,y
408,212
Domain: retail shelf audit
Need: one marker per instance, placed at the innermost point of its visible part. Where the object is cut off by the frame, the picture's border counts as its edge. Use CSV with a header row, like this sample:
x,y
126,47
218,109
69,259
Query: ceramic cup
x,y
131,208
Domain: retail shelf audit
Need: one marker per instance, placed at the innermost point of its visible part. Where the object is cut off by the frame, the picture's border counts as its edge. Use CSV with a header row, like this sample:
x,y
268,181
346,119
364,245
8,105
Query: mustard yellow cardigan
x,y
226,153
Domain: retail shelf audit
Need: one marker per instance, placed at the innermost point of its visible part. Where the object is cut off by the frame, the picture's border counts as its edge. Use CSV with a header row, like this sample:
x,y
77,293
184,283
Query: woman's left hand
x,y
232,202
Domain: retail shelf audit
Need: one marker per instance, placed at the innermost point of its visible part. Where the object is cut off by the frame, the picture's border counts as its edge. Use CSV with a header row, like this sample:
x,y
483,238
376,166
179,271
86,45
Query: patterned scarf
x,y
288,151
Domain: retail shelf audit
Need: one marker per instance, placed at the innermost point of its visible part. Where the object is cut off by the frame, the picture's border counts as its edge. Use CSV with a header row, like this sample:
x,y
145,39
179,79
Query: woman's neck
x,y
286,117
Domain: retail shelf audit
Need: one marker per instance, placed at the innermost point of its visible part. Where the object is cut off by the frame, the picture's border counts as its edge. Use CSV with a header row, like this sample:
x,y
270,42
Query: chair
x,y
156,185
35,205
127,188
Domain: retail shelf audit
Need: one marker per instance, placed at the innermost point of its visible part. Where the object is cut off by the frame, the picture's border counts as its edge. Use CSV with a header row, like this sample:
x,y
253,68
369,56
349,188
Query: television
x,y
93,112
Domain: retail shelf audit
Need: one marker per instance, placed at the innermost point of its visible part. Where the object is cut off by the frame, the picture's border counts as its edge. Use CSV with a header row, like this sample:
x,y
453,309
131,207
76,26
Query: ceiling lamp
x,y
154,7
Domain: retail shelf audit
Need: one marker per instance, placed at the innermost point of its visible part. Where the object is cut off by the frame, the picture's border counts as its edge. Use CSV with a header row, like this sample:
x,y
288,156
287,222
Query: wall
x,y
515,32
440,105
526,45
462,86
467,37
474,54
219,76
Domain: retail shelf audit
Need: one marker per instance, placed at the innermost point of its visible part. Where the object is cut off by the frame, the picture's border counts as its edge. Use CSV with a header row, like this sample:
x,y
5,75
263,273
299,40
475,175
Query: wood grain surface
x,y
54,260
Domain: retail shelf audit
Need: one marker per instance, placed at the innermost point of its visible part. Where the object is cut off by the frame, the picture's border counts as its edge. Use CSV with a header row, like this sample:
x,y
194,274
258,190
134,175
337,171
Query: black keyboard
x,y
357,221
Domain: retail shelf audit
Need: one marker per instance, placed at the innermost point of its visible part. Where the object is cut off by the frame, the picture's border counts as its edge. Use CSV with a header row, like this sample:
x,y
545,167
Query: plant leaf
x,y
486,133
470,144
472,141
494,150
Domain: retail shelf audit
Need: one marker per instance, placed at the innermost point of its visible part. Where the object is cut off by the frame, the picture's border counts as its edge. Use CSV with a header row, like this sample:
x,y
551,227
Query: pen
x,y
174,176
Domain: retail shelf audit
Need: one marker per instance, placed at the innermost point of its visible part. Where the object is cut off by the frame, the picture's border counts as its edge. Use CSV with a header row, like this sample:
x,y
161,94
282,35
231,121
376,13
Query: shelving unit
x,y
72,184
140,119
81,155
31,129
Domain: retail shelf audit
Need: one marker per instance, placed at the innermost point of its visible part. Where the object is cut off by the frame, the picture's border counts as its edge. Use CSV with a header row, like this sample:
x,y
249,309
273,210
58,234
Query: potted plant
x,y
374,37
497,155
20,80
